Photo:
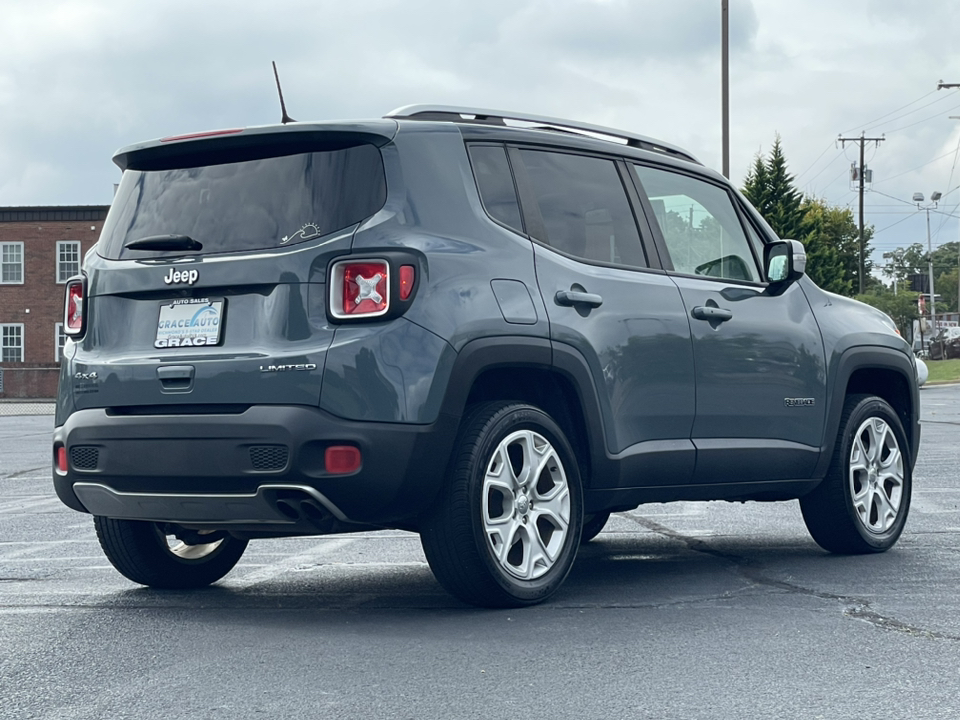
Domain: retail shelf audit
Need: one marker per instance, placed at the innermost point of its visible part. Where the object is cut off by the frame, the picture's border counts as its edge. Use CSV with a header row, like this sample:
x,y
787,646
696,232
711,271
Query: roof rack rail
x,y
451,113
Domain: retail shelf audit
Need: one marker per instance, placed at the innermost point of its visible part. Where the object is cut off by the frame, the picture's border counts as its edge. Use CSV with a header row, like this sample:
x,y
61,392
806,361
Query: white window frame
x,y
58,334
4,326
61,245
3,246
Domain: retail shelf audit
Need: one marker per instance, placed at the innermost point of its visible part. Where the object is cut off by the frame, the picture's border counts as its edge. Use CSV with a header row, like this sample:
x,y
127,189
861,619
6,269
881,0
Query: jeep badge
x,y
181,276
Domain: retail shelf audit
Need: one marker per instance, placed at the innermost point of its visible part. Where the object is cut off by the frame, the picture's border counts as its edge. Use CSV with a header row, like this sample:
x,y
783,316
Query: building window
x,y
60,339
11,343
68,260
11,263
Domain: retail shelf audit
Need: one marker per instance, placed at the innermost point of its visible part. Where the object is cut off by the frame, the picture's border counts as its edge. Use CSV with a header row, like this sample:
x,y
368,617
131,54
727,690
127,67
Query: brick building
x,y
40,248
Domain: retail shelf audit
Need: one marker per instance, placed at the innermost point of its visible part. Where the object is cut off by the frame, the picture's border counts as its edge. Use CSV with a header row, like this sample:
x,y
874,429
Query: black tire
x,y
477,510
592,525
836,518
140,551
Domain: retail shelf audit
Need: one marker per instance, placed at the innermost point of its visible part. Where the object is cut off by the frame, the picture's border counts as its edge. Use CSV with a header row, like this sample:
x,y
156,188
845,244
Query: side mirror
x,y
784,261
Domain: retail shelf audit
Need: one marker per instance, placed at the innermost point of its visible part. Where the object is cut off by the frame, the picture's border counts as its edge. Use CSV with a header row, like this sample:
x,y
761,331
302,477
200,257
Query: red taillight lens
x,y
342,459
62,459
73,310
360,289
407,277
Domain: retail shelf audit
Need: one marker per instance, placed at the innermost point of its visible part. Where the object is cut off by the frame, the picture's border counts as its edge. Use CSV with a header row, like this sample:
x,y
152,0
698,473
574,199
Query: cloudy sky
x,y
80,79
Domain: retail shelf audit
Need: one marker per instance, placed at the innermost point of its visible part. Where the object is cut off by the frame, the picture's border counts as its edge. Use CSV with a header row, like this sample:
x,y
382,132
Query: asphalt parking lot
x,y
686,610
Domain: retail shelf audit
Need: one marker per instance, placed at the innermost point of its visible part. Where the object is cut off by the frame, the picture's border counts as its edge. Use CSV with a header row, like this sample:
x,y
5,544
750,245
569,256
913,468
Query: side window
x,y
497,192
700,226
584,207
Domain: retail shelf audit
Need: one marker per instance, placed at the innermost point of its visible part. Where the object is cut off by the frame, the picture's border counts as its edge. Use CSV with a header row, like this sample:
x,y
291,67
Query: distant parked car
x,y
946,344
922,372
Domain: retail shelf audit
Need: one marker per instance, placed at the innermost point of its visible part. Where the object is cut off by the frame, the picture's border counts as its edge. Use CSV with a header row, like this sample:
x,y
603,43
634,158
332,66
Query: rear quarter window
x,y
251,205
495,182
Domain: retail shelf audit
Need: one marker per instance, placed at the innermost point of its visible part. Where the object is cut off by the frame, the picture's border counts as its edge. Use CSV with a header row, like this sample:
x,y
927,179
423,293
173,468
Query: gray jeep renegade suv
x,y
488,328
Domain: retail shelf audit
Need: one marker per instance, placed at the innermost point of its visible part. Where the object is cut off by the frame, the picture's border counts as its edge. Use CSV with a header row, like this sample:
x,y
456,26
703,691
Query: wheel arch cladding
x,y
546,389
888,374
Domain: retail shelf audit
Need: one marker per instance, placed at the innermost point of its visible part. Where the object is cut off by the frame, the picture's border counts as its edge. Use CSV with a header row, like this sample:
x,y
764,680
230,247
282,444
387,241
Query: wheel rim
x,y
526,505
176,546
876,476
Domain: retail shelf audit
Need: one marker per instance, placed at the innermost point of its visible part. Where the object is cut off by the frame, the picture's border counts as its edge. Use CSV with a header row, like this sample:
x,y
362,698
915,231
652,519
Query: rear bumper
x,y
259,468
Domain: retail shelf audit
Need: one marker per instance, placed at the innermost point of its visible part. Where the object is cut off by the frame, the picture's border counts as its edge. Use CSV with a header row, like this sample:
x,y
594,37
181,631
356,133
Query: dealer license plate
x,y
194,322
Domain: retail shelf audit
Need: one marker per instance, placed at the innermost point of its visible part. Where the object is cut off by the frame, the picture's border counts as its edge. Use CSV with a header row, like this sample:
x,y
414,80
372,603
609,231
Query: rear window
x,y
251,205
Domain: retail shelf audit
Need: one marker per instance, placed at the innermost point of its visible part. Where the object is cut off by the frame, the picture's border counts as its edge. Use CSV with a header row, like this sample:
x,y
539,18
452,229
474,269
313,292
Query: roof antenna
x,y
283,108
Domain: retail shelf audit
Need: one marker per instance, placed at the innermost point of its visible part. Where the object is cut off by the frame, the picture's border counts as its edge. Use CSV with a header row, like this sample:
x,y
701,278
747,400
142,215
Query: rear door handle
x,y
569,298
714,314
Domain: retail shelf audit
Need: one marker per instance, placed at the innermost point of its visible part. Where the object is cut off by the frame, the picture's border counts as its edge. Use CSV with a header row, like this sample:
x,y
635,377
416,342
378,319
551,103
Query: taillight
x,y
407,278
359,289
73,310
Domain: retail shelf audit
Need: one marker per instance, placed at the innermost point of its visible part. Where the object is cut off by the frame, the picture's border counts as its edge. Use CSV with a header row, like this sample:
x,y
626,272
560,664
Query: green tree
x,y
945,276
901,306
829,233
904,263
946,287
847,242
770,189
825,230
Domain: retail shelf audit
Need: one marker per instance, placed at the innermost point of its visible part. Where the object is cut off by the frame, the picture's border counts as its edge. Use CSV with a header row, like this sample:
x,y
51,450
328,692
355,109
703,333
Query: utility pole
x,y
956,117
725,82
862,140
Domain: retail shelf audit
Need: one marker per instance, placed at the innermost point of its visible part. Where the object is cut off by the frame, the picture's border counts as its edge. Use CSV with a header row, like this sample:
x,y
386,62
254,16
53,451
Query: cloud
x,y
78,79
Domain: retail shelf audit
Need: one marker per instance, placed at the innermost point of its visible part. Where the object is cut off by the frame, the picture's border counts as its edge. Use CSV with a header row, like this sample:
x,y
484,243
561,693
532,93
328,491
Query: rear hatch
x,y
208,284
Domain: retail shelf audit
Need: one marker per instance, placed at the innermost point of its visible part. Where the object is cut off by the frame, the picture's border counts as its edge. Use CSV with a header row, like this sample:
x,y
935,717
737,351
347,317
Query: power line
x,y
899,117
888,179
861,173
867,125
931,117
797,178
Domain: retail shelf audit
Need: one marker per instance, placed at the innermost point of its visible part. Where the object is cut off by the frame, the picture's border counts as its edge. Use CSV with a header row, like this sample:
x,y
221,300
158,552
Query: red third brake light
x,y
73,308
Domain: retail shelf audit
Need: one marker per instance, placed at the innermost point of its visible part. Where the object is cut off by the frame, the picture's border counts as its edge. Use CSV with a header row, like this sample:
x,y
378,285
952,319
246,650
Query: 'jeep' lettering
x,y
181,276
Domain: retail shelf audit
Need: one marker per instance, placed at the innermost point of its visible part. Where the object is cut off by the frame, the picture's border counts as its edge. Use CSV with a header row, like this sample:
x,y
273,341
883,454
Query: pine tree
x,y
829,234
785,214
756,188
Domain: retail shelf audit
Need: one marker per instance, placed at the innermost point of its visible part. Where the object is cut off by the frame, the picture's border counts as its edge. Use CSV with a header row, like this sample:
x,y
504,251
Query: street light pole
x,y
933,313
934,199
725,82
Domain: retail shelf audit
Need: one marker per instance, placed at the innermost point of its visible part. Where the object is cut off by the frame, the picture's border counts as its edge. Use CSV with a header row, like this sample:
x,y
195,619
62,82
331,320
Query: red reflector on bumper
x,y
62,459
342,459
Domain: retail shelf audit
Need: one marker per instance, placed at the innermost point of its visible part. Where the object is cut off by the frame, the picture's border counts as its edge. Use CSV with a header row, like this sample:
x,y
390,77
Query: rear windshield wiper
x,y
164,242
